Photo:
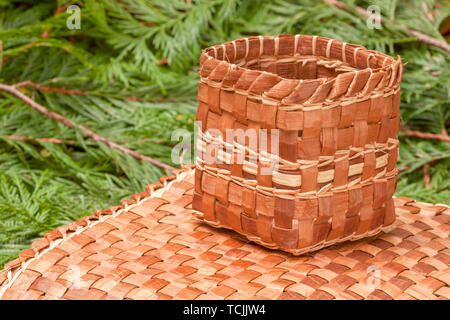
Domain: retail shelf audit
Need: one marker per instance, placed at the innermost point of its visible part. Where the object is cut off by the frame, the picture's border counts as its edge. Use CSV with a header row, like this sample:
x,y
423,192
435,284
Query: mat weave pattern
x,y
332,111
153,247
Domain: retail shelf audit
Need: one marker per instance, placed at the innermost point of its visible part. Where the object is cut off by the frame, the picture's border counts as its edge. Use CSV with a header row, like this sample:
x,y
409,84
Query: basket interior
x,y
298,66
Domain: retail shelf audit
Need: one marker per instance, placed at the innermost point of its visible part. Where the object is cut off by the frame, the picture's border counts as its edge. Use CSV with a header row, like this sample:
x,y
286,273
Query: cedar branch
x,y
422,37
426,135
50,89
70,91
426,176
89,133
35,140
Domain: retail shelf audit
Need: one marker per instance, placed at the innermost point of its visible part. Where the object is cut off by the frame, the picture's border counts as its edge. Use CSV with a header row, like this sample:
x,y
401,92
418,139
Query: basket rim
x,y
391,69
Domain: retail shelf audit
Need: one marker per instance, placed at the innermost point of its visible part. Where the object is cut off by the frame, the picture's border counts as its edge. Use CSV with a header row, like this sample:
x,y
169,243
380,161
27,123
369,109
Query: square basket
x,y
323,167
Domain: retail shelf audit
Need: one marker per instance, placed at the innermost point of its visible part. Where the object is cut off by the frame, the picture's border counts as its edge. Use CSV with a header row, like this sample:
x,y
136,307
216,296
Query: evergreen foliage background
x,y
137,60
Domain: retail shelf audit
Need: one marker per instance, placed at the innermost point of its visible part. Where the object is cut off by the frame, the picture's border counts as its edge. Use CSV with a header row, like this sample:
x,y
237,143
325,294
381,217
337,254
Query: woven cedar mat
x,y
151,247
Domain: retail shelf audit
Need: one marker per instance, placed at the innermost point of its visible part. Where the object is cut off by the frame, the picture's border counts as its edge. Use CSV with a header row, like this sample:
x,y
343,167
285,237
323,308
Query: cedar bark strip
x,y
89,133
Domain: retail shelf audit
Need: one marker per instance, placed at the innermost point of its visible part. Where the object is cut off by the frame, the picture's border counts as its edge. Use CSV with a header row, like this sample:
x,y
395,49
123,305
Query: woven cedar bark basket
x,y
336,108
151,247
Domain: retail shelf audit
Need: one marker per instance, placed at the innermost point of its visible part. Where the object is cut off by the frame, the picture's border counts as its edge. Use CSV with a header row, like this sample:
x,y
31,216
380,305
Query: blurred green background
x,y
129,73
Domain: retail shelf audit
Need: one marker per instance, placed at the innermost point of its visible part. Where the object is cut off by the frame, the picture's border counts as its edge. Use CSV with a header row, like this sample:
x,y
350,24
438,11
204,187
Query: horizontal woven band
x,y
360,165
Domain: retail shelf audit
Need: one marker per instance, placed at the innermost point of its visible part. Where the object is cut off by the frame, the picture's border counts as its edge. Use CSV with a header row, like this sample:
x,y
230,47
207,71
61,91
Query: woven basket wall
x,y
336,110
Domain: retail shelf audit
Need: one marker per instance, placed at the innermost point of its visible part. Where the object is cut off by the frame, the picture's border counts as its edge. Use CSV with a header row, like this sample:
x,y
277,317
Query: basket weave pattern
x,y
336,107
151,247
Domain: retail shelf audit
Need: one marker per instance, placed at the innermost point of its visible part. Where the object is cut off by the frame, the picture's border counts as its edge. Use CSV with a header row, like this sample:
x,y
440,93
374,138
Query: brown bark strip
x,y
416,34
89,133
51,89
426,135
69,91
25,47
34,140
426,176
